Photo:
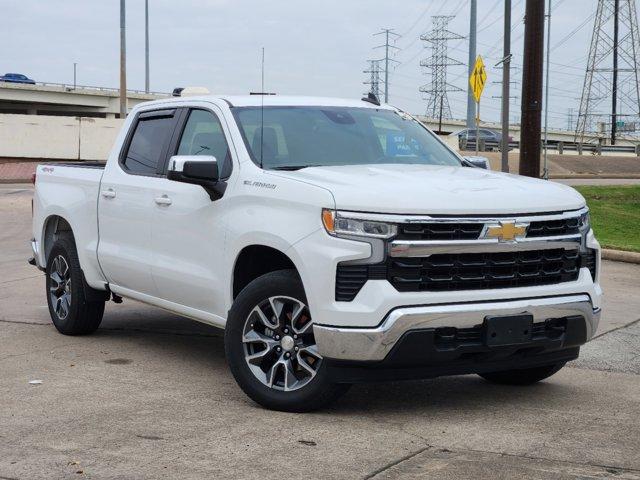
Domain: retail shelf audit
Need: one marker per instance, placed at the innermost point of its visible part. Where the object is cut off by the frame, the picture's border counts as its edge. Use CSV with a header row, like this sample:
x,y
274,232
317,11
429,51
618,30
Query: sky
x,y
318,47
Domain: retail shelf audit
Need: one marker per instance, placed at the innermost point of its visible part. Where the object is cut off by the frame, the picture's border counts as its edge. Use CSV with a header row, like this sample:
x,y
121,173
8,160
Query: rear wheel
x,y
526,376
71,312
271,349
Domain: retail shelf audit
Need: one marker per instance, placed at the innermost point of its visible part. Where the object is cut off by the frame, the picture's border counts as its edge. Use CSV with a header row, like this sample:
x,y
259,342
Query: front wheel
x,y
271,349
526,376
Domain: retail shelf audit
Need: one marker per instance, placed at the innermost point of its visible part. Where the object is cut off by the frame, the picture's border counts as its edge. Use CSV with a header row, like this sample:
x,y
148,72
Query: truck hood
x,y
433,189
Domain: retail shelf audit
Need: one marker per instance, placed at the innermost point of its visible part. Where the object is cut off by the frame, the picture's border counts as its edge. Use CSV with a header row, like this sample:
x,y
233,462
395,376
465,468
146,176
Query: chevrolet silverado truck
x,y
334,241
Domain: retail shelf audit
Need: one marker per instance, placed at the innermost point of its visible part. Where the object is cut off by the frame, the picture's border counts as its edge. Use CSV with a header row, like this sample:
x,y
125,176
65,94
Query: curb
x,y
583,176
14,180
620,256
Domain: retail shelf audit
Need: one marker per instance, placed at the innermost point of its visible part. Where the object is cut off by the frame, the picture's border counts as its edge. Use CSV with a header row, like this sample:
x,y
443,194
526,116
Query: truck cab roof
x,y
272,101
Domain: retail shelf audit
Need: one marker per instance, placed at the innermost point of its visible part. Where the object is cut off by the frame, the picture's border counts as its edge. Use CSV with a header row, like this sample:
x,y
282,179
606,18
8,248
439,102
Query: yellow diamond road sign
x,y
478,78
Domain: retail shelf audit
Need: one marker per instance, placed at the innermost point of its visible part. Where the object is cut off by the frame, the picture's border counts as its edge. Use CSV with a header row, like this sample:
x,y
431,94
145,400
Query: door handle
x,y
109,193
163,200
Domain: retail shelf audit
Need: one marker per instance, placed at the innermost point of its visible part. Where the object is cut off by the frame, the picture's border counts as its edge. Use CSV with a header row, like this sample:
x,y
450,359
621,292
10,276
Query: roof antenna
x,y
262,112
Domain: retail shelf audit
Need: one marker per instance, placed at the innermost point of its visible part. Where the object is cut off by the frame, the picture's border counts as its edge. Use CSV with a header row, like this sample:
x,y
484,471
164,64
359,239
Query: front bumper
x,y
419,327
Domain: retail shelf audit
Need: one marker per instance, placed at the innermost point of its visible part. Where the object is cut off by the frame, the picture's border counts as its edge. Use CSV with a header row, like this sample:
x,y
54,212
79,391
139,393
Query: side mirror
x,y
199,170
480,162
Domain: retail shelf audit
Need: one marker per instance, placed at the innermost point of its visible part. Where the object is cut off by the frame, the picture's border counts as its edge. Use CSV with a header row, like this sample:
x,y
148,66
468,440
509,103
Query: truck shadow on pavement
x,y
195,352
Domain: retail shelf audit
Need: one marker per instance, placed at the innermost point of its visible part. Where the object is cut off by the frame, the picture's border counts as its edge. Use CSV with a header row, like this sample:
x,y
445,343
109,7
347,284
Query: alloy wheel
x,y
279,345
60,287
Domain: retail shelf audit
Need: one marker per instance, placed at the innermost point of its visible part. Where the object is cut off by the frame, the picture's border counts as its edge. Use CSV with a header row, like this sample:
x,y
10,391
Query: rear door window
x,y
148,144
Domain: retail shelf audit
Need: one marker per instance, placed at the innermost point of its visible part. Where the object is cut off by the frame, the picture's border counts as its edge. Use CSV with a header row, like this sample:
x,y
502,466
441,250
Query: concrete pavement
x,y
150,395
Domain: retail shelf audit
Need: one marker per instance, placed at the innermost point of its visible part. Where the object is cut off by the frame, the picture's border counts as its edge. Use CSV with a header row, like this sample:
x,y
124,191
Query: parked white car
x,y
335,241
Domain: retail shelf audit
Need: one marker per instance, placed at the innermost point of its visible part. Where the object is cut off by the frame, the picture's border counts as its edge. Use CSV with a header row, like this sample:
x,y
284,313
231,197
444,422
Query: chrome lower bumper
x,y
373,344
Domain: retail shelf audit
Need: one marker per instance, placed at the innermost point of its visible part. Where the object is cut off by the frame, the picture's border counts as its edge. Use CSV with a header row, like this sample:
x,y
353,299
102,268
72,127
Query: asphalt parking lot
x,y
150,396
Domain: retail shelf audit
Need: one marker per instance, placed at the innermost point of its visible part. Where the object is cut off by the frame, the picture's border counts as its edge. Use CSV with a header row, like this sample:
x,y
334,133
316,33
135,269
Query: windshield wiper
x,y
293,167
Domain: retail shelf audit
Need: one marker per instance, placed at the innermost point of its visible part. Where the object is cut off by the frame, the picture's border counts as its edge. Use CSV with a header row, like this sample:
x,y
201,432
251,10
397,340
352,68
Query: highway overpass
x,y
67,100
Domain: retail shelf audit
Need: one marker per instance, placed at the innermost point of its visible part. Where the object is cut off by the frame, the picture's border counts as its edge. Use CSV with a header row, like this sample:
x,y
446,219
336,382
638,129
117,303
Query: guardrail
x,y
71,87
559,146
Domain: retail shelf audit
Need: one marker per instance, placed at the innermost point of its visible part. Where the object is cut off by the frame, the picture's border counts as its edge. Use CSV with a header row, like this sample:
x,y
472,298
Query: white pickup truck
x,y
335,241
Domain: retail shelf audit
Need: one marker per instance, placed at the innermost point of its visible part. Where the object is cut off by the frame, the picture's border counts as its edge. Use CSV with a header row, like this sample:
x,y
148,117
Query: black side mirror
x,y
199,170
207,170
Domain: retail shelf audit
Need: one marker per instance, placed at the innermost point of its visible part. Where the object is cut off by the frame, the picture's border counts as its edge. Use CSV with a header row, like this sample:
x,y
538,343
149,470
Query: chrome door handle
x,y
163,200
109,193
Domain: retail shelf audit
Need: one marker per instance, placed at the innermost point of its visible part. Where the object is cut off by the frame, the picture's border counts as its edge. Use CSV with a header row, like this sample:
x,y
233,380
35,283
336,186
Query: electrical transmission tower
x,y
610,100
374,80
437,101
389,34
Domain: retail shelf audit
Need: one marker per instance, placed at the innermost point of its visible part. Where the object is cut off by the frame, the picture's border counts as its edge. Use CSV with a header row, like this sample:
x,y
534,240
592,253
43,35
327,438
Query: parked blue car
x,y
16,78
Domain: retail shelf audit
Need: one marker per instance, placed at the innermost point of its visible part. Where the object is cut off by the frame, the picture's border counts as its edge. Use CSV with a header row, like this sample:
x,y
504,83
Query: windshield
x,y
299,137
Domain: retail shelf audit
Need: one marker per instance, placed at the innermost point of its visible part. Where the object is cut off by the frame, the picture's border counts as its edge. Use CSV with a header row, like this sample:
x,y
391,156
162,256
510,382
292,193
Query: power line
x,y
573,32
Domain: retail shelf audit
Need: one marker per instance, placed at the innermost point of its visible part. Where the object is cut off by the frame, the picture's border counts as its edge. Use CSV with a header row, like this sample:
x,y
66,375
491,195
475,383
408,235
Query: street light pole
x,y
471,101
75,65
146,46
506,65
123,62
545,171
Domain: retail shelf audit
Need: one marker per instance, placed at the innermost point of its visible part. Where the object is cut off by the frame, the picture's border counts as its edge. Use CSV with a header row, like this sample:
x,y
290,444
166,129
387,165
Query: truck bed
x,y
70,191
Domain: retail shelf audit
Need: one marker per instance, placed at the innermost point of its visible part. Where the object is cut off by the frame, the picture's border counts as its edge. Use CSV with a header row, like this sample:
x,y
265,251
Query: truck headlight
x,y
584,223
346,224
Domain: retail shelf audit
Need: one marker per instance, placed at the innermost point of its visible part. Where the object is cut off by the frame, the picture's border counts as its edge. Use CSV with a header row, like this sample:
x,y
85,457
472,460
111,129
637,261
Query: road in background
x,y
150,395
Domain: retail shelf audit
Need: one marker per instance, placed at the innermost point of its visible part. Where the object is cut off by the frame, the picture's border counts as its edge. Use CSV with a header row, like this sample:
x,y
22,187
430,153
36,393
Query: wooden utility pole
x,y
532,70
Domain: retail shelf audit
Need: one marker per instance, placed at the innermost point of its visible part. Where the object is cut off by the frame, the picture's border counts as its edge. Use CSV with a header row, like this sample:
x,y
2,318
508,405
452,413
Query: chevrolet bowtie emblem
x,y
506,231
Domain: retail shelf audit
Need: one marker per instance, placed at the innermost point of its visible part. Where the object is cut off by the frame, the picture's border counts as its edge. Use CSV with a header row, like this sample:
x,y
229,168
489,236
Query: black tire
x,y
317,393
525,376
82,316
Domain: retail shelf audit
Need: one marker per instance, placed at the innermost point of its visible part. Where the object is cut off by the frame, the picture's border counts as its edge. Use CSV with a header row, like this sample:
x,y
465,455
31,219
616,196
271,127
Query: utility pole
x,y
471,103
614,91
75,67
532,71
545,172
387,58
146,46
506,65
123,62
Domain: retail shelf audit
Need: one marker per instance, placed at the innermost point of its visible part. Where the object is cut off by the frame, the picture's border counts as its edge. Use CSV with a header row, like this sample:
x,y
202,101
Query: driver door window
x,y
203,135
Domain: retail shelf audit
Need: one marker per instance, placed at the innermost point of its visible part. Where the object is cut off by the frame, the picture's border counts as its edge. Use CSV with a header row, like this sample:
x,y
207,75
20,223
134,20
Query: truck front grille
x,y
471,231
551,228
479,271
465,271
439,231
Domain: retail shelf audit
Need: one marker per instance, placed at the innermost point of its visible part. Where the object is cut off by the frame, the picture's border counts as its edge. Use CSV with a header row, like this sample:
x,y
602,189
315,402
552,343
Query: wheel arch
x,y
256,260
52,227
